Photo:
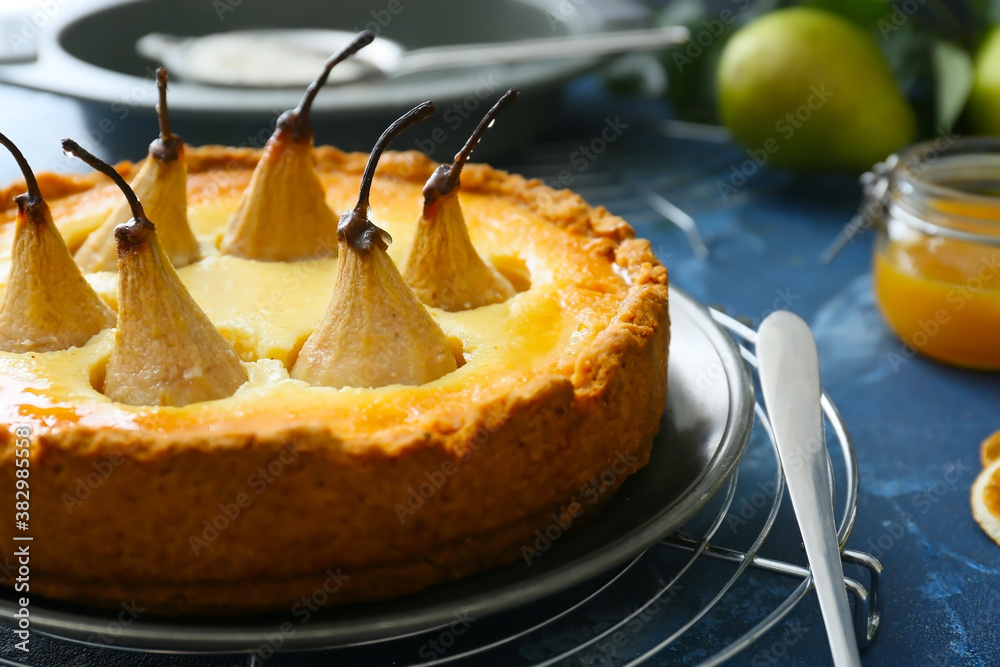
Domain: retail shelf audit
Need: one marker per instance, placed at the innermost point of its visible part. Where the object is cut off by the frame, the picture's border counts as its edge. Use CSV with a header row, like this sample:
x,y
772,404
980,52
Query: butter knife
x,y
789,378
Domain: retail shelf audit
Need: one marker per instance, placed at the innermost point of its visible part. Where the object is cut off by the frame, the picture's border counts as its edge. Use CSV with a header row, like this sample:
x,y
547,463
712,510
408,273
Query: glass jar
x,y
937,256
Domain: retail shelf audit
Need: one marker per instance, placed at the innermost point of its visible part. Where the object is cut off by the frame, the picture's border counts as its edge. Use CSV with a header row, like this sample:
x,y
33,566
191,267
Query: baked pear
x,y
161,185
167,351
375,332
283,215
443,267
48,304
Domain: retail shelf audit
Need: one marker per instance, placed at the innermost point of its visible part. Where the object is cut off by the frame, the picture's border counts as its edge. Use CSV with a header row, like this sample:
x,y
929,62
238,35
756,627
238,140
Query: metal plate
x,y
88,52
703,435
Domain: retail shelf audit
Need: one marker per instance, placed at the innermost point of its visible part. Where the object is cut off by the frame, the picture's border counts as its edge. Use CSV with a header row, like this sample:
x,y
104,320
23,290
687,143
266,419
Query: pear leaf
x,y
865,13
953,74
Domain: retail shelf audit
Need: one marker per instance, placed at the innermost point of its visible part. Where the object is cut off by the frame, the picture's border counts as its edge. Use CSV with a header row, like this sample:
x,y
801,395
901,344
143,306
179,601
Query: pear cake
x,y
235,401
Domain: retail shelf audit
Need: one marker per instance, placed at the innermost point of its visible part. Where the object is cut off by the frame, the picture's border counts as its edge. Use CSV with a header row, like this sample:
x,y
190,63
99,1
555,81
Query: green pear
x,y
984,98
802,88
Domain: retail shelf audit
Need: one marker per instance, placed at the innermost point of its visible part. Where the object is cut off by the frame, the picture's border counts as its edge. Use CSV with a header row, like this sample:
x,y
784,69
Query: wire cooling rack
x,y
701,596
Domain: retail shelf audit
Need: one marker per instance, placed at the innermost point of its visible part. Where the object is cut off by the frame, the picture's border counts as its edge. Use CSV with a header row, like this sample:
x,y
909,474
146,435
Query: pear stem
x,y
33,197
446,178
137,230
297,120
161,107
354,227
166,147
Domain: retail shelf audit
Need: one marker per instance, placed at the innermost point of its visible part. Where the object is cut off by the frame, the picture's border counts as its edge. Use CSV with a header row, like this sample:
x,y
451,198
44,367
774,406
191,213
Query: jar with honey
x,y
937,255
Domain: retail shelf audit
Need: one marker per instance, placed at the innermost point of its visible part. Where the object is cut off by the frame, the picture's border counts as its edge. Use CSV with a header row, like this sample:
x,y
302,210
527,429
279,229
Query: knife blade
x,y
789,377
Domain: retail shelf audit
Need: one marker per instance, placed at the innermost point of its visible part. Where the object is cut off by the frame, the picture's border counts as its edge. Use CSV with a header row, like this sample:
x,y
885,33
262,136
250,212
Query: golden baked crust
x,y
394,488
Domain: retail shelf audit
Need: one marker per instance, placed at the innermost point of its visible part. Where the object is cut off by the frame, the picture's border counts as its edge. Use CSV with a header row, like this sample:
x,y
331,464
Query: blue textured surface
x,y
916,426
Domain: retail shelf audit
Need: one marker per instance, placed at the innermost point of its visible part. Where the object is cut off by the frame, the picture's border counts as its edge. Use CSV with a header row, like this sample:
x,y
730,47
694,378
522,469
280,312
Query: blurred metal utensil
x,y
262,58
789,378
678,217
21,45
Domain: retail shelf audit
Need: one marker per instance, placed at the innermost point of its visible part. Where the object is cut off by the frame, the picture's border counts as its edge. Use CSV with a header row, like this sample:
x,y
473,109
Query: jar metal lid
x,y
912,185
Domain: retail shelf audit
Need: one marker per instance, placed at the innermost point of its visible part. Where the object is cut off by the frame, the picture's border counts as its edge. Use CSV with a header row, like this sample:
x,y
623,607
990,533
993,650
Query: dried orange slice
x,y
990,450
986,500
